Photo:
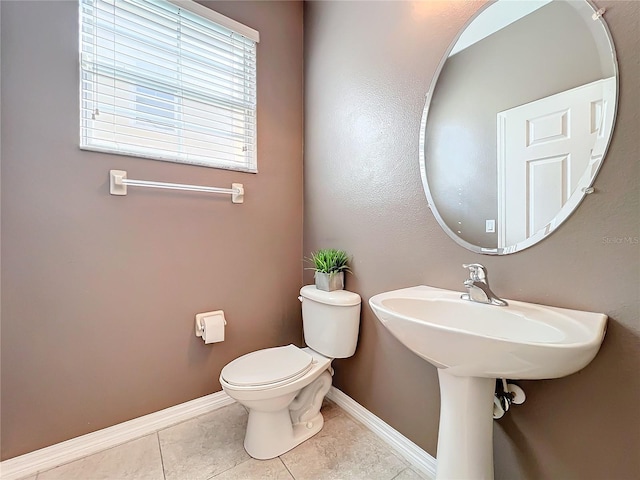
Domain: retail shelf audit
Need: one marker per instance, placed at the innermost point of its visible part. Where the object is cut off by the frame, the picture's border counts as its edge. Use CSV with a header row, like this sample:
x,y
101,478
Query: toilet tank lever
x,y
301,298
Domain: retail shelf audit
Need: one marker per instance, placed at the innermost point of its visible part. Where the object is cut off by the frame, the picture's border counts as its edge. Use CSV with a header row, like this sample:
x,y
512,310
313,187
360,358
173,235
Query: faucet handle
x,y
477,272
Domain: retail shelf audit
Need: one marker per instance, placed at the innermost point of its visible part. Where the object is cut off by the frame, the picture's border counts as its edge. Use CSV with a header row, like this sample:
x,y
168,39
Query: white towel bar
x,y
118,182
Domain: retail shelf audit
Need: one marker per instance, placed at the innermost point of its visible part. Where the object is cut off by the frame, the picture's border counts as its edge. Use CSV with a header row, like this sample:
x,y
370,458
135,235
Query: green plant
x,y
330,260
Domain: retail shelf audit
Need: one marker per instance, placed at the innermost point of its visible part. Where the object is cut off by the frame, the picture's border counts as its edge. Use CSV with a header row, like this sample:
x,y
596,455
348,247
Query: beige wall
x,y
368,66
99,292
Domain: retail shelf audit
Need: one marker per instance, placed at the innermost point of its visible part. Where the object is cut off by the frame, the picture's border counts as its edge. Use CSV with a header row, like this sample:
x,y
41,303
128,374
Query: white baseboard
x,y
76,448
416,456
79,447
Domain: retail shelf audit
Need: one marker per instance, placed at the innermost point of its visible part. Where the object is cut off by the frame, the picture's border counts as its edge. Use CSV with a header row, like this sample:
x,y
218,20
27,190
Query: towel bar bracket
x,y
238,195
116,187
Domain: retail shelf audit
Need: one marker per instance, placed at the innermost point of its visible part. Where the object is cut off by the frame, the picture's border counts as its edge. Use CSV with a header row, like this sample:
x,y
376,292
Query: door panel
x,y
544,149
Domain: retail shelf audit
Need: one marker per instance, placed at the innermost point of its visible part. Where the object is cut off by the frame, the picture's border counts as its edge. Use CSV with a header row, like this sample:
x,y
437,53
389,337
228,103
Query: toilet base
x,y
262,448
272,432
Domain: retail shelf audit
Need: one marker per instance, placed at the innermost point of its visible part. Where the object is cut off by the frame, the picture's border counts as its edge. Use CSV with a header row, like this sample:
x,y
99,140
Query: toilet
x,y
283,387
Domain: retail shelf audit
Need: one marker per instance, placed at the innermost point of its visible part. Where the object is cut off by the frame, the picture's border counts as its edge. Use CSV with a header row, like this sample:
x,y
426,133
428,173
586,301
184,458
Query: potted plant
x,y
330,265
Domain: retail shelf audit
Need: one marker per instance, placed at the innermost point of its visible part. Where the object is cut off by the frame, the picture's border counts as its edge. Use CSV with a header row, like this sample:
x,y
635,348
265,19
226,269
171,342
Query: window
x,y
155,109
167,79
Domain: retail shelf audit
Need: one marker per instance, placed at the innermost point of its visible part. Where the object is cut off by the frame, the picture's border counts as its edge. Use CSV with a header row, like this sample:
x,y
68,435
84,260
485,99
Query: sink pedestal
x,y
478,343
465,437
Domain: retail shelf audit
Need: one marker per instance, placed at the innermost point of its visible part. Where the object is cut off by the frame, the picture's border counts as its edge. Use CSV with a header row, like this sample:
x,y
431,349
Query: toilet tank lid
x,y
337,297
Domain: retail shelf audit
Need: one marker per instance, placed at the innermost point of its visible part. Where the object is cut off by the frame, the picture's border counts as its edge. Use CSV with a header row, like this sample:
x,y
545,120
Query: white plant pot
x,y
329,281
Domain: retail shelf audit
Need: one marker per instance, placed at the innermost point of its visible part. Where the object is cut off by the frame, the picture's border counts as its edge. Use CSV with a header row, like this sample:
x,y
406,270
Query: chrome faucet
x,y
478,287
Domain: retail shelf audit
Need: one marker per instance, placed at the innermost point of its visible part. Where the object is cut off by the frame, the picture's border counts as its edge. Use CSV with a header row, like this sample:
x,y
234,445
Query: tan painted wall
x,y
368,66
99,292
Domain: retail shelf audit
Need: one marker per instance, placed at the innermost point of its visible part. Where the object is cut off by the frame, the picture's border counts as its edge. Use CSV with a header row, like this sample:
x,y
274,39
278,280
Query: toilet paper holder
x,y
200,320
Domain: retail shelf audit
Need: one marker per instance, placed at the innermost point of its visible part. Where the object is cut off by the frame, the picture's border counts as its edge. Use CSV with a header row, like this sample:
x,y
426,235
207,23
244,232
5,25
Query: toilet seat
x,y
269,367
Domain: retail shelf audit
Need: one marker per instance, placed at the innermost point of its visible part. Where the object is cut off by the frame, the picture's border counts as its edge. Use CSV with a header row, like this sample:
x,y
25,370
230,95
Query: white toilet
x,y
283,387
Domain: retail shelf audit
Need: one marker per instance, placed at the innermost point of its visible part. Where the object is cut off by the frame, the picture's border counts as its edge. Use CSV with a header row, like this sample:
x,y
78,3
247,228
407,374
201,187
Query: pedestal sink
x,y
472,344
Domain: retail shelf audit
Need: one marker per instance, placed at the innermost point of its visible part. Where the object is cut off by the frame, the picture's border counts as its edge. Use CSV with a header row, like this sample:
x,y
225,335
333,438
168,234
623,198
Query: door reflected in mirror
x,y
517,123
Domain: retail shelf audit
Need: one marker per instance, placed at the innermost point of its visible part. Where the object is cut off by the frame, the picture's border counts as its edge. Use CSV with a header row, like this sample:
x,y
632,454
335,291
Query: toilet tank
x,y
331,321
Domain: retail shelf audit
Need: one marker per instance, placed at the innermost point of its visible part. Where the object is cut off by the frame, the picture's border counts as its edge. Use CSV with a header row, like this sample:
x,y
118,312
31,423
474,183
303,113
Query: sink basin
x,y
519,341
472,344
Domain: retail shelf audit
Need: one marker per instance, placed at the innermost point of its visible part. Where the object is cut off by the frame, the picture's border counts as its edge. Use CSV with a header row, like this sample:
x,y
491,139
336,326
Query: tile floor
x,y
210,447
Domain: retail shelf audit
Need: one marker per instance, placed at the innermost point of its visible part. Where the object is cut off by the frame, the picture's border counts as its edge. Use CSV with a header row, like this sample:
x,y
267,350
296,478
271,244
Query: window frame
x,y
142,98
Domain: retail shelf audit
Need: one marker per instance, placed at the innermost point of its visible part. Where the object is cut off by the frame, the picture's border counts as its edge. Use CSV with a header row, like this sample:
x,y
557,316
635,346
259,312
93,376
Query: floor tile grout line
x,y
164,474
287,468
187,419
400,473
227,469
157,433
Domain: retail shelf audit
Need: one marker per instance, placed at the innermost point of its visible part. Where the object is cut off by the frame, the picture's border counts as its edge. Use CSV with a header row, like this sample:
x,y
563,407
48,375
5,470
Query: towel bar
x,y
118,186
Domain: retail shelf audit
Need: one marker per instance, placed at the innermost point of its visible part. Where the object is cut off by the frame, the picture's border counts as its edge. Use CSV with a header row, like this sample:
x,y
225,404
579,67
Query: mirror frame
x,y
573,202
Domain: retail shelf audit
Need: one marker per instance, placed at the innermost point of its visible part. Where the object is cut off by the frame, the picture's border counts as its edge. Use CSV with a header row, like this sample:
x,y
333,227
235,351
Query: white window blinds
x,y
167,80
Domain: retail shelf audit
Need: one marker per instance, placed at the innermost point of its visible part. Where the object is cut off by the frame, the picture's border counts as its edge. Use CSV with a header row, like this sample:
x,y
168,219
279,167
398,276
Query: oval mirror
x,y
517,122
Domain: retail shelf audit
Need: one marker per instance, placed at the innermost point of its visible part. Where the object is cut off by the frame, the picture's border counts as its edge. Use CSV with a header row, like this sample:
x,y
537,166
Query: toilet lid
x,y
267,366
